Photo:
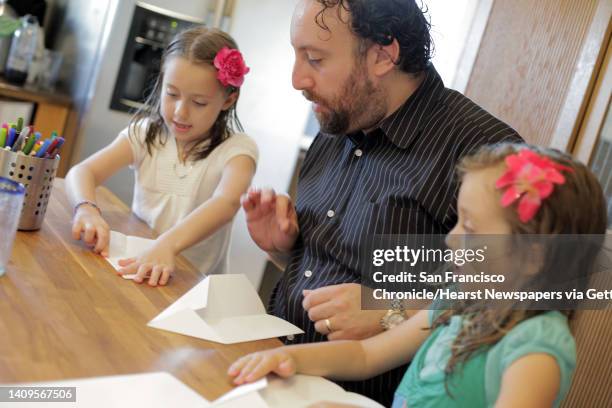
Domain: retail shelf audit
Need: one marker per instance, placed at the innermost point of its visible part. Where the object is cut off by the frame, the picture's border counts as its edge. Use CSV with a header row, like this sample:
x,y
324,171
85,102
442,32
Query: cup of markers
x,y
32,160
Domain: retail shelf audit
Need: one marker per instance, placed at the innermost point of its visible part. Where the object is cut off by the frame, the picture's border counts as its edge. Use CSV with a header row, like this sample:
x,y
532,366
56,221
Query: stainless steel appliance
x,y
150,31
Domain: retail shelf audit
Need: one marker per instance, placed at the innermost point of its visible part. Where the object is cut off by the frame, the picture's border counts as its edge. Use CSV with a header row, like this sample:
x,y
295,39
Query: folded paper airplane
x,y
225,309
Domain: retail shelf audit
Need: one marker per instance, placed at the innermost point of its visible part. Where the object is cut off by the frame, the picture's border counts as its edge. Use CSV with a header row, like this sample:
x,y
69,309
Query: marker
x,y
2,137
36,147
19,124
53,135
30,143
11,137
58,146
51,147
41,152
21,139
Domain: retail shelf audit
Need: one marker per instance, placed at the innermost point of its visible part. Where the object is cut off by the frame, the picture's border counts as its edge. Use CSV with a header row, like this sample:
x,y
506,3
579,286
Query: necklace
x,y
183,171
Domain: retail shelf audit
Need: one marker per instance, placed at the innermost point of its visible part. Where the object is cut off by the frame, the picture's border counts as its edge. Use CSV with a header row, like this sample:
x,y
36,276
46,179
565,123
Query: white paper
x,y
225,309
242,394
126,246
299,391
161,390
304,390
151,390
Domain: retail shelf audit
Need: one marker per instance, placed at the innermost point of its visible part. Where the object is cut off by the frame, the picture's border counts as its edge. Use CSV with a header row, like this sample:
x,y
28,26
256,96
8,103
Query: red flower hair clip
x,y
530,177
231,67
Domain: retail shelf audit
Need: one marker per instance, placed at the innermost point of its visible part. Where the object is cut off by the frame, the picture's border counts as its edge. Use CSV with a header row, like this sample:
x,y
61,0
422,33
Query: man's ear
x,y
386,57
230,100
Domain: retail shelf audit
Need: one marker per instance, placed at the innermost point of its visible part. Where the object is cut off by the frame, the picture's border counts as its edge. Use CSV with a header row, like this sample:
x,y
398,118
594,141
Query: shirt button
x,y
330,213
291,337
308,273
358,152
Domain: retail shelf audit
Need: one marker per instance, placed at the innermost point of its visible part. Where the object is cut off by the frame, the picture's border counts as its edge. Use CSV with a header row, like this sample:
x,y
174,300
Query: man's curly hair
x,y
381,21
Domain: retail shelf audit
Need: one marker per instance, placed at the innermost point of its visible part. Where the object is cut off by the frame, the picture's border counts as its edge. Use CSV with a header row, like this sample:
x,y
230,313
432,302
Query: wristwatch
x,y
394,316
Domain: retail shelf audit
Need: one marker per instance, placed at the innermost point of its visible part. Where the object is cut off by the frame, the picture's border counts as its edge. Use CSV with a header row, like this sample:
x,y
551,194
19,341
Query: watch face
x,y
395,319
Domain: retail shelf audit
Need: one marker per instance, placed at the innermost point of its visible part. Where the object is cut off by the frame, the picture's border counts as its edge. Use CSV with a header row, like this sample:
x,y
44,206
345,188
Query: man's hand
x,y
271,219
339,307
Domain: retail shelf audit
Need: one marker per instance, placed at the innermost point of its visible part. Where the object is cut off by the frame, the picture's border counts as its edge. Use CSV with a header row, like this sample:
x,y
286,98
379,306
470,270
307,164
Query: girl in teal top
x,y
475,355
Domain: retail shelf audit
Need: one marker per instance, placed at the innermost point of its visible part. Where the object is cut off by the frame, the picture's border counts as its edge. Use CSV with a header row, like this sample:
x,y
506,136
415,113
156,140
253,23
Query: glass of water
x,y
11,202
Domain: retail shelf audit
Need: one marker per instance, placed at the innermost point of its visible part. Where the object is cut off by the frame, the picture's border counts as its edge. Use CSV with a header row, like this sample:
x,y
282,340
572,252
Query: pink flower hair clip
x,y
530,177
231,67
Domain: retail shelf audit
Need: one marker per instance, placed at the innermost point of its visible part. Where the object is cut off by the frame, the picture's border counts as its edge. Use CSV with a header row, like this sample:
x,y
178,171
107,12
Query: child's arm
x,y
342,360
530,381
158,262
81,182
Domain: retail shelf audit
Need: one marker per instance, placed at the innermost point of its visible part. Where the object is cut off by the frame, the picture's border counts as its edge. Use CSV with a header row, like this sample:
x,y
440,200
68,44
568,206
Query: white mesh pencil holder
x,y
36,174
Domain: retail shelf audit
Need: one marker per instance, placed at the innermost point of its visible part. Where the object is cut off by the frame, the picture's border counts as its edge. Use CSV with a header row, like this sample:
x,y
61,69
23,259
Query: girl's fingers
x,y
235,368
128,269
143,271
247,369
285,369
126,262
102,241
89,234
165,277
265,366
155,275
76,230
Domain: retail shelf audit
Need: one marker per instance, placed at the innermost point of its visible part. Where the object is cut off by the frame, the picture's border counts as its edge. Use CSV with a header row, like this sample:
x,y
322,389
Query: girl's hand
x,y
89,226
325,404
156,265
254,366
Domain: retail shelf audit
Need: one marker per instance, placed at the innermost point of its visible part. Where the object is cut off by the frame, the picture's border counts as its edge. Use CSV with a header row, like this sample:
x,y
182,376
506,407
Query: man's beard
x,y
359,105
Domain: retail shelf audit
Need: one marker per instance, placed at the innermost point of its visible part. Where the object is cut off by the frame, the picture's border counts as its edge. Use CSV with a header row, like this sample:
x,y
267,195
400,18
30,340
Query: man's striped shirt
x,y
398,179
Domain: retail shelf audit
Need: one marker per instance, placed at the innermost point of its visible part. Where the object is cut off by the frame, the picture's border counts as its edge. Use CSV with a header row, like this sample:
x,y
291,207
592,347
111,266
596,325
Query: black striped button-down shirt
x,y
398,179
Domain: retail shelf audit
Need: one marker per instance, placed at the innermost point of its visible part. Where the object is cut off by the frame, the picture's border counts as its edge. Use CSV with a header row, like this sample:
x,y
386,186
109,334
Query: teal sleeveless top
x,y
477,381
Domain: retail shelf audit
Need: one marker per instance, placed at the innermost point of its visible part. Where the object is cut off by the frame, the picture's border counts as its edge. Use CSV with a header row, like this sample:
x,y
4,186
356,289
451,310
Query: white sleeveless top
x,y
166,191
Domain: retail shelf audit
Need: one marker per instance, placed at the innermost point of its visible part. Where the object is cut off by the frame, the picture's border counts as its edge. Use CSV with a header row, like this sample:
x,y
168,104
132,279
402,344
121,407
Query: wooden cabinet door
x,y
536,65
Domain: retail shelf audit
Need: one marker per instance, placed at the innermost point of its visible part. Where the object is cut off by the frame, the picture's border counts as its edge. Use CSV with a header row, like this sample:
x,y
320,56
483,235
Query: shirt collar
x,y
405,124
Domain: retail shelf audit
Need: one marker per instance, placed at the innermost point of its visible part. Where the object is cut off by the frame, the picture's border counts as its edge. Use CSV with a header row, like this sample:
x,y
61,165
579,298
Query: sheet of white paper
x,y
250,400
303,390
225,309
242,390
126,246
151,390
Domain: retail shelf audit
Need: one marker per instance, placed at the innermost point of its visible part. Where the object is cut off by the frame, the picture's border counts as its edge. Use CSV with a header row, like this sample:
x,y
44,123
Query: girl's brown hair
x,y
576,207
199,45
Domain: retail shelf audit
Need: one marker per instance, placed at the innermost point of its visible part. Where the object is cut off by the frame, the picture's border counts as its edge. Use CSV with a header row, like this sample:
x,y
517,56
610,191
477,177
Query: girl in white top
x,y
191,166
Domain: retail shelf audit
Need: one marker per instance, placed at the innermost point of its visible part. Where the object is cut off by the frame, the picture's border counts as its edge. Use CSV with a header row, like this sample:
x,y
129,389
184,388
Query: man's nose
x,y
300,78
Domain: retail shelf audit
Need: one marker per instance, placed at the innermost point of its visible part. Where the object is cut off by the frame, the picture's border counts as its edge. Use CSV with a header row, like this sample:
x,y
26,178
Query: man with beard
x,y
383,163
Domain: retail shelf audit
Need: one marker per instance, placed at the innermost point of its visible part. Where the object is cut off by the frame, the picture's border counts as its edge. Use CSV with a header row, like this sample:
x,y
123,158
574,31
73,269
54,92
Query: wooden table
x,y
64,313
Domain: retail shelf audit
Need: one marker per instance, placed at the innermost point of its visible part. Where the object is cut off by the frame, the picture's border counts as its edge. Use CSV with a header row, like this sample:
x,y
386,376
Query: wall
x,y
450,24
270,109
